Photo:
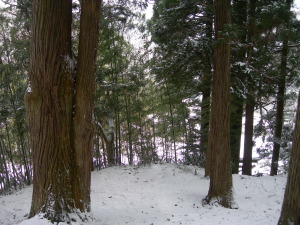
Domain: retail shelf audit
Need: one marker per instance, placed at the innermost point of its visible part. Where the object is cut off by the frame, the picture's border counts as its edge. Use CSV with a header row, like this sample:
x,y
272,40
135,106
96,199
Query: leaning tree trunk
x,y
220,189
60,129
290,212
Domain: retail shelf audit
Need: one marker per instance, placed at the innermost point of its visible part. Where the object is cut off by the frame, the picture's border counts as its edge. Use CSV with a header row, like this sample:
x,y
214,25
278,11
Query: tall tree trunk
x,y
84,98
206,86
220,189
279,111
59,121
280,99
240,18
49,106
250,101
290,212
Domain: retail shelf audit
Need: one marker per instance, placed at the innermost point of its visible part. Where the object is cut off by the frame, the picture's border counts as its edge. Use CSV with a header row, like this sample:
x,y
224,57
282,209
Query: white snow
x,y
162,194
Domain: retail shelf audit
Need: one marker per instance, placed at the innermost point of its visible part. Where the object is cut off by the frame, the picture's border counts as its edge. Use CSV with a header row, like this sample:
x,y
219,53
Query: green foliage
x,y
13,84
180,30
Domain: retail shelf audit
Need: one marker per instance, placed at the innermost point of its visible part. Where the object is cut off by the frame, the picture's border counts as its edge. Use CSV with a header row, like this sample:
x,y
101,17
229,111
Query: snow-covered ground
x,y
161,195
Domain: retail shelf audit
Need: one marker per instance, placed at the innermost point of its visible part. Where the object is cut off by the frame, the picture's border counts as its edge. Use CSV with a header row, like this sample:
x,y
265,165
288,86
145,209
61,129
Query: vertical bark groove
x,y
290,212
61,167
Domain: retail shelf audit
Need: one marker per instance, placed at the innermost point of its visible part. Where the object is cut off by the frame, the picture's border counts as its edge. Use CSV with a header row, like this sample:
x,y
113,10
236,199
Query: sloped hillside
x,y
161,195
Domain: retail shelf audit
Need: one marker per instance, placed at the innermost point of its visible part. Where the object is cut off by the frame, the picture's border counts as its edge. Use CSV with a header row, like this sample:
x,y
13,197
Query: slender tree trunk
x,y
108,139
206,87
115,149
250,101
280,100
104,155
25,159
166,142
205,111
248,143
129,128
290,212
220,189
236,124
9,147
143,155
154,135
279,111
173,130
237,106
119,158
5,167
97,152
20,138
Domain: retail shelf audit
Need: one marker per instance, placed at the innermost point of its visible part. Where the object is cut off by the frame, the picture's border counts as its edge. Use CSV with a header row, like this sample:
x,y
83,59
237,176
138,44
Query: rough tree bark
x,y
290,212
84,97
59,111
220,189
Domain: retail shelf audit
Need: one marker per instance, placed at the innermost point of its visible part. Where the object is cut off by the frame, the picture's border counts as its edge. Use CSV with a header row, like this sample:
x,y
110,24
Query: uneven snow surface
x,y
162,195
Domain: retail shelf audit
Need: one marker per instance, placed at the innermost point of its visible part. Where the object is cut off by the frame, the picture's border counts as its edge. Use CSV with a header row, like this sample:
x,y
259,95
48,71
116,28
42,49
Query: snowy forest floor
x,y
161,195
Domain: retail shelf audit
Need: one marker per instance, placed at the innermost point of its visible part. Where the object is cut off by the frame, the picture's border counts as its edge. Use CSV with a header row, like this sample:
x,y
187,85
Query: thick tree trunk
x,y
220,189
49,106
60,129
84,98
290,212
